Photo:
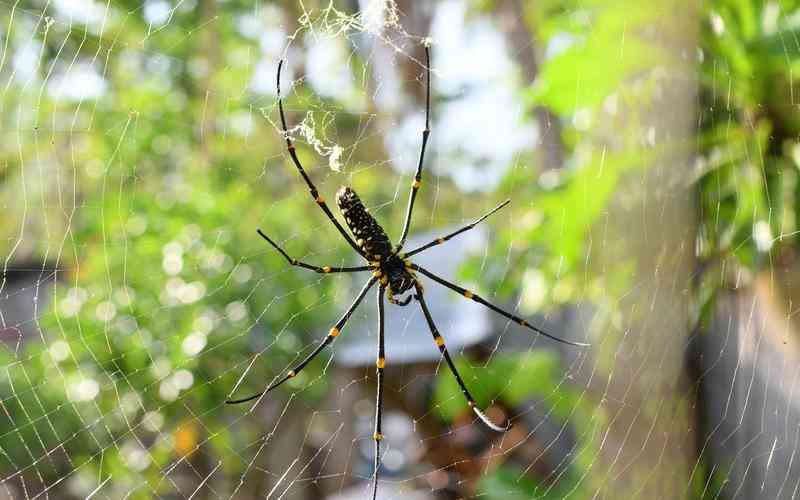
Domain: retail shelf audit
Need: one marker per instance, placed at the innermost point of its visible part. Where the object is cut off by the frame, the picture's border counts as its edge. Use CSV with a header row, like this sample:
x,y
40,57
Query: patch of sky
x,y
478,128
271,37
86,12
157,13
328,71
80,81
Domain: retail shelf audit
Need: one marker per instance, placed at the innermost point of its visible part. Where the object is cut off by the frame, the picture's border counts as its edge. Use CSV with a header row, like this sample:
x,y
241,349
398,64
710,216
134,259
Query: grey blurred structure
x,y
24,296
747,367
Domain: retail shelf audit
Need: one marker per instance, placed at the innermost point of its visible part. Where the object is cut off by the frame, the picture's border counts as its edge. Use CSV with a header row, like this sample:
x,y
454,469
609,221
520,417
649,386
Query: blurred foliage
x,y
603,67
515,379
533,379
749,153
745,170
146,199
513,484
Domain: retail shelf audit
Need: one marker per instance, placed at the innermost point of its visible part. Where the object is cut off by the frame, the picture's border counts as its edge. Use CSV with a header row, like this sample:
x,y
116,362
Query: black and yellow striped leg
x,y
380,364
439,241
443,349
334,332
312,267
480,300
417,182
311,187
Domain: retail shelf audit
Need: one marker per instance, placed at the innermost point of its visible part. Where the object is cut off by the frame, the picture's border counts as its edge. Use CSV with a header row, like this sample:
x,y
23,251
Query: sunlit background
x,y
651,152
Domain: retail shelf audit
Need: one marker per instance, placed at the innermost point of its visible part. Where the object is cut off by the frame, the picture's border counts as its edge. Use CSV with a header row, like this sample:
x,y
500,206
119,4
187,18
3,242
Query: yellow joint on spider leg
x,y
381,363
439,241
416,184
334,332
319,199
439,340
326,269
471,403
468,294
377,436
291,374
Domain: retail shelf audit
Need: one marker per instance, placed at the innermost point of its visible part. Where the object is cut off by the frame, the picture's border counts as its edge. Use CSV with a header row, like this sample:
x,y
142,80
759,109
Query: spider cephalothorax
x,y
372,240
391,268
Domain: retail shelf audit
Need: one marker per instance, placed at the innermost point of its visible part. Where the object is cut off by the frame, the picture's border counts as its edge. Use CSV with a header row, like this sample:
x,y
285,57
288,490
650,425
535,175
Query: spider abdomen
x,y
370,236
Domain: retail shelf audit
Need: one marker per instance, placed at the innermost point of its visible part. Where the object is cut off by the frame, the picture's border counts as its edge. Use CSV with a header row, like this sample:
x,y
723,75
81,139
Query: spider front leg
x,y
439,241
417,182
312,189
322,269
480,300
334,332
439,340
380,364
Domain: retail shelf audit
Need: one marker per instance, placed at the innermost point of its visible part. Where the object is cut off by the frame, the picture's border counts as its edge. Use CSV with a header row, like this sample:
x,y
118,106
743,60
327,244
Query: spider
x,y
391,269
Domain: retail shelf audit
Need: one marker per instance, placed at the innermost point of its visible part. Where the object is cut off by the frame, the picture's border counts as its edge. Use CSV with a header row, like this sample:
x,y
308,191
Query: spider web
x,y
141,148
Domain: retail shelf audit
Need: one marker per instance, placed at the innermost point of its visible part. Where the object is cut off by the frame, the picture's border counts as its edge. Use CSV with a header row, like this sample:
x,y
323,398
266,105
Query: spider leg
x,y
466,293
439,241
334,332
443,349
322,269
425,133
311,187
380,363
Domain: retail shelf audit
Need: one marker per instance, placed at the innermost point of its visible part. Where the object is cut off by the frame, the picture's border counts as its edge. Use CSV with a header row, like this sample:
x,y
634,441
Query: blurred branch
x,y
523,39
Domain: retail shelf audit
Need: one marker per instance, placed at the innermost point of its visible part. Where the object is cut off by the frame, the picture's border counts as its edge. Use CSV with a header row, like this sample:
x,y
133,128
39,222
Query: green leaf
x,y
514,378
593,68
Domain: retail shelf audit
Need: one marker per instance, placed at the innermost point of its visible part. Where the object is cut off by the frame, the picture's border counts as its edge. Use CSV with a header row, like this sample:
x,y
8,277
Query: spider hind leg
x,y
439,341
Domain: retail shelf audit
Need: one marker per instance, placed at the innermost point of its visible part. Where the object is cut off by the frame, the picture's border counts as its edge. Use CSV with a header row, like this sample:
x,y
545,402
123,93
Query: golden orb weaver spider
x,y
391,268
